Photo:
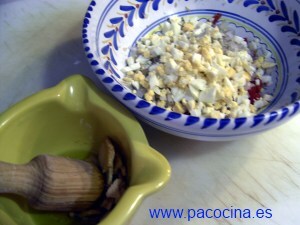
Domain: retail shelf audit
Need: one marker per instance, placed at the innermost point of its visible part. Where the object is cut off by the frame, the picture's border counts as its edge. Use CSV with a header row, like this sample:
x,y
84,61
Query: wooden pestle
x,y
53,183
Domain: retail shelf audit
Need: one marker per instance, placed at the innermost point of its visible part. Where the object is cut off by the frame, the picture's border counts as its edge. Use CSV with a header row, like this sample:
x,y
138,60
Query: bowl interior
x,y
55,129
113,28
72,120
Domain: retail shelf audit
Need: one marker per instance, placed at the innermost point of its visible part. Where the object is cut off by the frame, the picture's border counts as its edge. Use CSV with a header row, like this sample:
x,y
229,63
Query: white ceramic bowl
x,y
111,28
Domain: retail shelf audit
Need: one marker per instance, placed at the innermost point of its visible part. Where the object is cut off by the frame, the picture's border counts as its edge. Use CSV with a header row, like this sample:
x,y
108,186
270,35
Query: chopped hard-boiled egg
x,y
201,68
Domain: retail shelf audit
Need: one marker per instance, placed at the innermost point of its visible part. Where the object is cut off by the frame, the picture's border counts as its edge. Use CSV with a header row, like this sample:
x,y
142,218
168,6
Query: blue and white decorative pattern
x,y
110,28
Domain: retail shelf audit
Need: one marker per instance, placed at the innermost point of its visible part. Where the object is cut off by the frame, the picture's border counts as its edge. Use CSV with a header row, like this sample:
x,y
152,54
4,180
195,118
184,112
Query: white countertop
x,y
40,45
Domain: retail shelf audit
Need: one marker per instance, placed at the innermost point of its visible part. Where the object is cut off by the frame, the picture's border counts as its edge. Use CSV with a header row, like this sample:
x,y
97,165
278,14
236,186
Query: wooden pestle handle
x,y
53,183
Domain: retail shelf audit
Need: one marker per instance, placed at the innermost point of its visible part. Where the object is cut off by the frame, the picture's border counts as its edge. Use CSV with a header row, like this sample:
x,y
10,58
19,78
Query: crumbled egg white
x,y
195,67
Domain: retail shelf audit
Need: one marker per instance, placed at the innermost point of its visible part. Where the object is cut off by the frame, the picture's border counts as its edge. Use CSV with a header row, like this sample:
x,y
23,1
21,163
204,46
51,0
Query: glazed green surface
x,y
71,119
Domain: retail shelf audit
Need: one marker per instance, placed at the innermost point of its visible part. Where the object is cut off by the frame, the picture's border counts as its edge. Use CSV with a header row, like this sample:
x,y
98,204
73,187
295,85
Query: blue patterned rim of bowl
x,y
110,25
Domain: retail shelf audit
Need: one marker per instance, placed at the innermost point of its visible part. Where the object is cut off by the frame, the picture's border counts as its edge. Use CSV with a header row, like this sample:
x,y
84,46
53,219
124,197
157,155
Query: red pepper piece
x,y
255,91
216,17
